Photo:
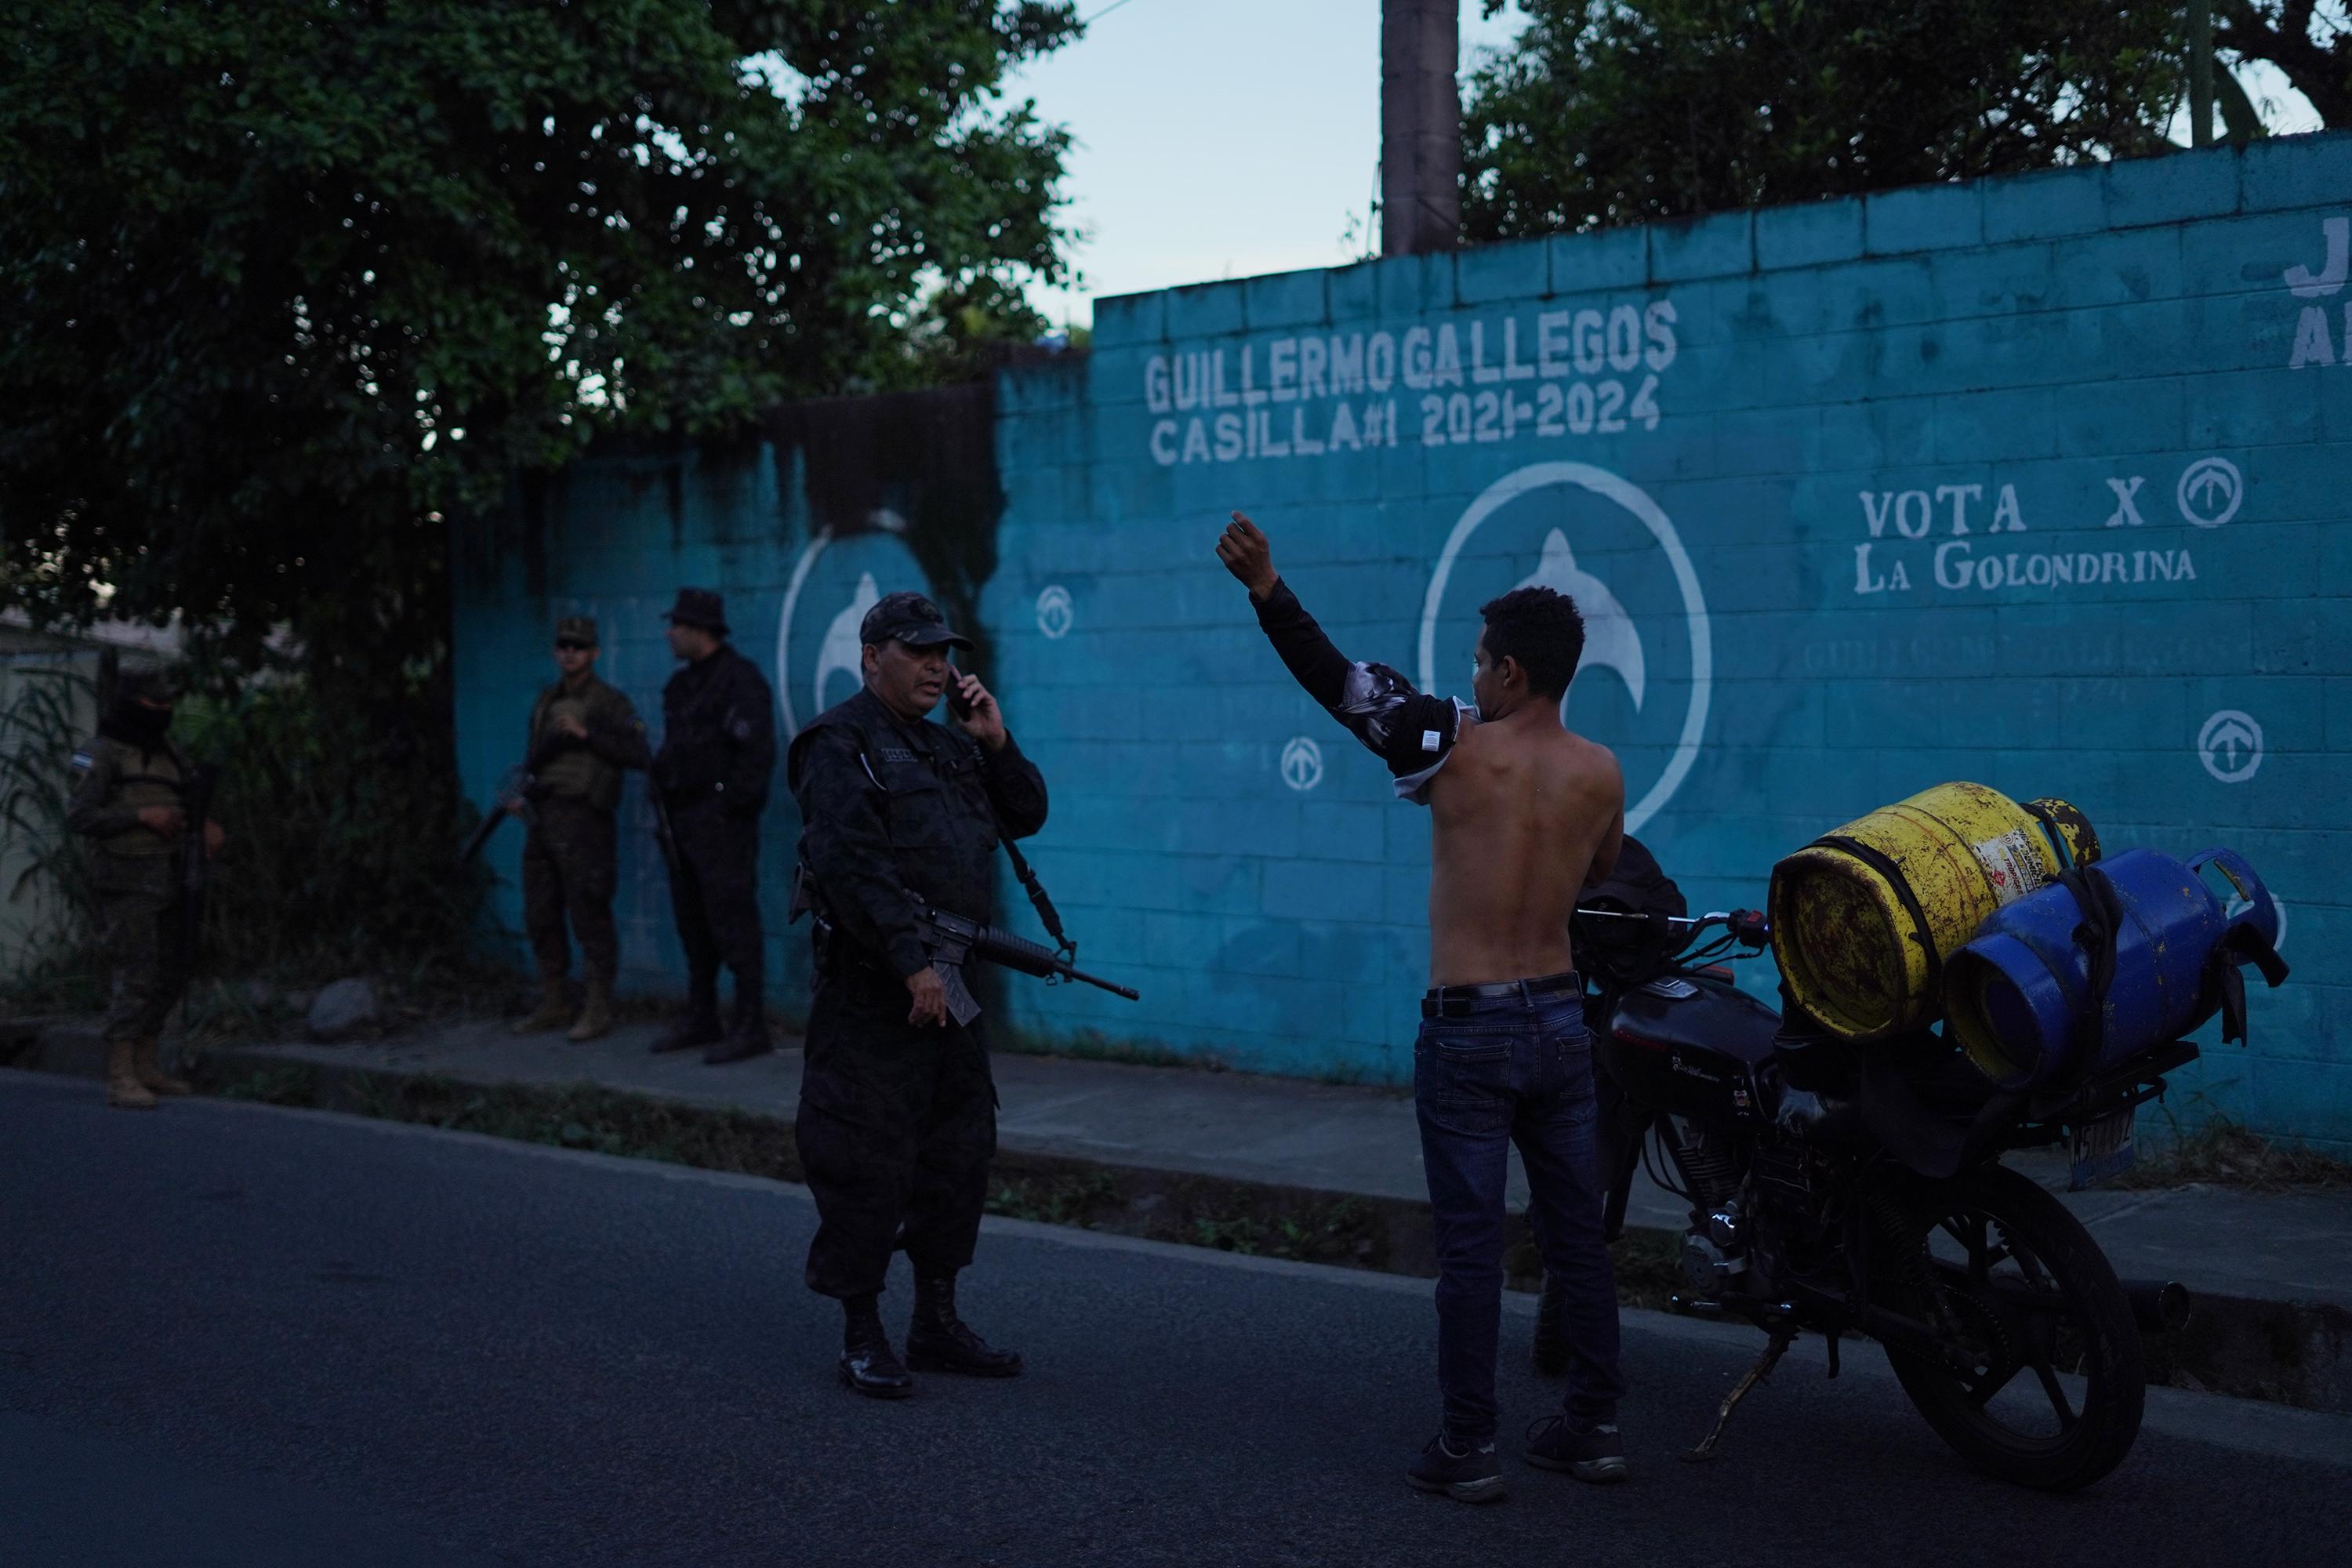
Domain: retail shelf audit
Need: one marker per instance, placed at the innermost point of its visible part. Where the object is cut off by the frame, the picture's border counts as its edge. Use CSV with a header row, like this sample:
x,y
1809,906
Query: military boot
x,y
554,1009
868,1365
122,1086
747,1034
697,1028
939,1341
147,1064
596,1012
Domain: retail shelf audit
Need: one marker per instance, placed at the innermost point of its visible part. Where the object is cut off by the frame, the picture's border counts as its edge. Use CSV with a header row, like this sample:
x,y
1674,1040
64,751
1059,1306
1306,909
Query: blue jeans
x,y
1513,1071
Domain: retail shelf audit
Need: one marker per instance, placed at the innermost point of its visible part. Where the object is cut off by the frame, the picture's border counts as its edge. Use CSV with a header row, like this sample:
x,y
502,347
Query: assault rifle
x,y
511,798
665,830
953,938
196,806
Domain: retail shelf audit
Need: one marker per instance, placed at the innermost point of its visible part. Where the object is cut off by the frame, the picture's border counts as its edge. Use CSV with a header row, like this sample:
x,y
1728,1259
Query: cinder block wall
x,y
2037,482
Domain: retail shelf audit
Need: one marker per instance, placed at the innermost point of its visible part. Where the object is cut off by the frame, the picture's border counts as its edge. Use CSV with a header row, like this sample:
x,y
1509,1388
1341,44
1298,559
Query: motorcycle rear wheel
x,y
2039,1379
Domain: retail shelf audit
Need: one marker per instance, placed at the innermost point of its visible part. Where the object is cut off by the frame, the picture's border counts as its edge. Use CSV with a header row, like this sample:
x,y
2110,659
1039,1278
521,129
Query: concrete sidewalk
x,y
2291,1252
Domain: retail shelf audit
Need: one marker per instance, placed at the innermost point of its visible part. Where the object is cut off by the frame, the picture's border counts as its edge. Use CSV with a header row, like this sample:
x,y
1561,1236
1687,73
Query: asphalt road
x,y
242,1336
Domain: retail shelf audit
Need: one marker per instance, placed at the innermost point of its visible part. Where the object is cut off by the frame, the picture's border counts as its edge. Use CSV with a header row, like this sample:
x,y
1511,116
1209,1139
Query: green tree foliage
x,y
1608,111
285,280
2309,41
286,283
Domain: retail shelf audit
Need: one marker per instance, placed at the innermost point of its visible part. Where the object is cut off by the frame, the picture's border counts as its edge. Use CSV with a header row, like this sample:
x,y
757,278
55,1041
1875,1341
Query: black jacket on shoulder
x,y
1412,732
719,735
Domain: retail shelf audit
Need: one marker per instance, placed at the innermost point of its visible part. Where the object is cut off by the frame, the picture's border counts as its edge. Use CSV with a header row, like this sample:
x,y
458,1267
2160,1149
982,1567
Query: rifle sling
x,y
1038,899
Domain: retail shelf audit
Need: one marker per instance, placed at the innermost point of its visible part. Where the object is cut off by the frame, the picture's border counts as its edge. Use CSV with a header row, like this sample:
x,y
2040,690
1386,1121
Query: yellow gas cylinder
x,y
1864,918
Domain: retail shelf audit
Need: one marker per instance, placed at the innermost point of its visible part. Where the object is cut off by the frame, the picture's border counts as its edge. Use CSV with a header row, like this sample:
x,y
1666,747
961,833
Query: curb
x,y
2289,1353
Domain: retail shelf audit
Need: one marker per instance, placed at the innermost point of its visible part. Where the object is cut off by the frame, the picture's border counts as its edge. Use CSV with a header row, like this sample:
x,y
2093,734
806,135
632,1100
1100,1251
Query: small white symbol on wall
x,y
1302,763
1054,612
2231,746
2210,493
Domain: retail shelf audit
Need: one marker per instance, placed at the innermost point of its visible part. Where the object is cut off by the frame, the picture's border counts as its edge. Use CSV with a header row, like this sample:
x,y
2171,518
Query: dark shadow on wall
x,y
919,464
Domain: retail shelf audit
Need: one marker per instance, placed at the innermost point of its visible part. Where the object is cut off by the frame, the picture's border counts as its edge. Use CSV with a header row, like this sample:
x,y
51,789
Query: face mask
x,y
137,724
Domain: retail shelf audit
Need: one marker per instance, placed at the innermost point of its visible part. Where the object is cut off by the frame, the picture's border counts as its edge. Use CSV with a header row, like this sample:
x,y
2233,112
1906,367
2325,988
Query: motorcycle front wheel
x,y
2037,1376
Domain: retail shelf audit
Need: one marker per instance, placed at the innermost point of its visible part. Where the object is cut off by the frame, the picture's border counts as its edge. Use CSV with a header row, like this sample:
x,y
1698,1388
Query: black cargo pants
x,y
714,891
896,1127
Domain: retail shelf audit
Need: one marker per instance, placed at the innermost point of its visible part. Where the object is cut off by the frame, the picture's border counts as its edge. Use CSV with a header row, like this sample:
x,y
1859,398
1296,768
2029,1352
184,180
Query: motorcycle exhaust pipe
x,y
2160,1305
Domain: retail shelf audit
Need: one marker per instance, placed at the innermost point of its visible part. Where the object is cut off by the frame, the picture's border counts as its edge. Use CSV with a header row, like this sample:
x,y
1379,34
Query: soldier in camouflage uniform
x,y
130,781
897,1111
584,735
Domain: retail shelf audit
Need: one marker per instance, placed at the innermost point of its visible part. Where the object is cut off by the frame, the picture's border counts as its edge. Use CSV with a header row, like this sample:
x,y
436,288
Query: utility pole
x,y
2201,73
1420,126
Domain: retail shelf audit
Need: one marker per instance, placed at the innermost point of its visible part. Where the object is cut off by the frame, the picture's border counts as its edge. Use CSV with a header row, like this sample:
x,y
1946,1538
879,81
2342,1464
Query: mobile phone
x,y
956,704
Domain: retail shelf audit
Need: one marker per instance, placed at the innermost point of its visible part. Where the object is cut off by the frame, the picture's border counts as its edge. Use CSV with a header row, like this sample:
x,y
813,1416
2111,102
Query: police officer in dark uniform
x,y
718,753
897,1111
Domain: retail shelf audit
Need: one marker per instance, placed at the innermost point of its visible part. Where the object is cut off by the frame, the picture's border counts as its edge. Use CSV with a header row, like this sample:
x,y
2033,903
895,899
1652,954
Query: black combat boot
x,y
747,1030
697,1028
869,1365
939,1341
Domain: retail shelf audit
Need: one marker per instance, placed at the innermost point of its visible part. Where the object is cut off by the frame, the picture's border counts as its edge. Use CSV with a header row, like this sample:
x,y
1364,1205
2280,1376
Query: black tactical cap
x,y
910,618
580,629
701,607
147,685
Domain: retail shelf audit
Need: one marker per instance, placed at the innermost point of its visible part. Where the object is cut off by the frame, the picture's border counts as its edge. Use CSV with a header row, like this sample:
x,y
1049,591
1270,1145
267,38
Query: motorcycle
x,y
1847,1191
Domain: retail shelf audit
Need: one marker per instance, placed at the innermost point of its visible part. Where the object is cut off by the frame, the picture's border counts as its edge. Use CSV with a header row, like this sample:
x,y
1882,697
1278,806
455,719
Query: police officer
x,y
718,752
898,1111
129,800
583,733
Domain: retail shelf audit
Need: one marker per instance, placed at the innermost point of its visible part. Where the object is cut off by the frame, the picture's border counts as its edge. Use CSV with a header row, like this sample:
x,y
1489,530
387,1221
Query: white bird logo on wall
x,y
843,651
1610,640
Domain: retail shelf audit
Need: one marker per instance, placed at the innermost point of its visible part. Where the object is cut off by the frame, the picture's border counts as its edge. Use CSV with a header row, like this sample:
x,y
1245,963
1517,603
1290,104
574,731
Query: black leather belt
x,y
1454,1001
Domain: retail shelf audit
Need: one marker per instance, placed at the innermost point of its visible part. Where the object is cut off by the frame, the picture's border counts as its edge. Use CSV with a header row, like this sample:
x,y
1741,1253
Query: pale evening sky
x,y
1230,138
1219,138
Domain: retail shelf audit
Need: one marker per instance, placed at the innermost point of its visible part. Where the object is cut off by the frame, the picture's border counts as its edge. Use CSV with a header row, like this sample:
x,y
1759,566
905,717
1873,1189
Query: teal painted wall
x,y
2040,482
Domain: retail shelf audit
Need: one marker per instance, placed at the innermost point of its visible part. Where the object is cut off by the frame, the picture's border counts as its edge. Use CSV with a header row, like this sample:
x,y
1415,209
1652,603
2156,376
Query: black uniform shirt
x,y
719,735
902,815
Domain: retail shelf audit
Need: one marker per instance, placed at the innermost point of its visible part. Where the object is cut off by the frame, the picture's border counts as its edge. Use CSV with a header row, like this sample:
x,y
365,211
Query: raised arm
x,y
1410,730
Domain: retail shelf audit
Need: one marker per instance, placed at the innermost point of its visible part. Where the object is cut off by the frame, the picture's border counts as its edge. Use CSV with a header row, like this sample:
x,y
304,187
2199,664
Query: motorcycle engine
x,y
1715,1255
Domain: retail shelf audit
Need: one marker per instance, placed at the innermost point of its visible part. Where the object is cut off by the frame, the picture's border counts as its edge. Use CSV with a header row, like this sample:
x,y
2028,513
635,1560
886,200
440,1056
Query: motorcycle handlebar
x,y
1748,927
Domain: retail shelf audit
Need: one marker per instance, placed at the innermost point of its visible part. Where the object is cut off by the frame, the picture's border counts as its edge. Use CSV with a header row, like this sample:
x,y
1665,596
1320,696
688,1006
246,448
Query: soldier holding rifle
x,y
897,1111
139,800
584,734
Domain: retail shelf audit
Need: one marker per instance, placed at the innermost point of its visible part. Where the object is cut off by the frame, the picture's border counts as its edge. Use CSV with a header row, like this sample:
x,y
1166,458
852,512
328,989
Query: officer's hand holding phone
x,y
972,706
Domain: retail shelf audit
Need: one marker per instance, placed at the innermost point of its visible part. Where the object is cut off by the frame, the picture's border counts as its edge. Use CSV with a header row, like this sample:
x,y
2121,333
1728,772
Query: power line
x,y
1090,21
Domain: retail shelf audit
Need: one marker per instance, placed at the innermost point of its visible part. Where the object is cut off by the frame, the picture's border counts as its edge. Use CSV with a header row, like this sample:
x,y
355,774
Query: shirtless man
x,y
1524,813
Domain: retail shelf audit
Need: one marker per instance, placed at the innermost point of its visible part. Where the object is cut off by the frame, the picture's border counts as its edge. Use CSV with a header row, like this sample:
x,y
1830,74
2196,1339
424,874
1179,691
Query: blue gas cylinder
x,y
2019,995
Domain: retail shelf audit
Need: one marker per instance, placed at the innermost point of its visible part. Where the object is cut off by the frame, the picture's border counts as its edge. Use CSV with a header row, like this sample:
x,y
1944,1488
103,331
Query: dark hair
x,y
1542,630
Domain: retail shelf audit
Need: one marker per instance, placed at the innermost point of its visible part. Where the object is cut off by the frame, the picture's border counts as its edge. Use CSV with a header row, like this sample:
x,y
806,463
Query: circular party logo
x,y
1642,687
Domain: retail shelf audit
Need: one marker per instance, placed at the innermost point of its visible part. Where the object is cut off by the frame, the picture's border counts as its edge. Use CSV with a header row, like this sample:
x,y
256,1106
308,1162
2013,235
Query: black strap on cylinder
x,y
2101,921
1886,867
2226,983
